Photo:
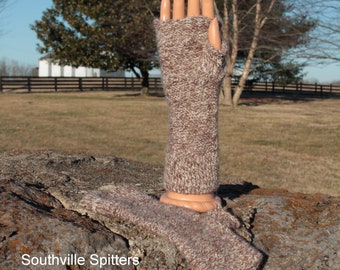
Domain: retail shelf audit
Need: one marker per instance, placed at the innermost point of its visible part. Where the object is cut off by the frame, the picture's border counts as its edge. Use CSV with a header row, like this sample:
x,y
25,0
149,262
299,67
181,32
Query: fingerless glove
x,y
192,70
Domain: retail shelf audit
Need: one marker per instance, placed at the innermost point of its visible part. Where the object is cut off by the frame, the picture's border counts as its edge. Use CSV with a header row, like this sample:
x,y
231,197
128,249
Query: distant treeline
x,y
14,68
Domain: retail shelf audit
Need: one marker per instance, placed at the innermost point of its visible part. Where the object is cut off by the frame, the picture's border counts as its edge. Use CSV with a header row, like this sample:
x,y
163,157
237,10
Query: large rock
x,y
297,231
39,215
35,229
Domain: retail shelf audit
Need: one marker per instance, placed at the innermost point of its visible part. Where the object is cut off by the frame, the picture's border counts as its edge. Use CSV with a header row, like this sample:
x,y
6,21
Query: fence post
x,y
80,84
29,84
1,84
55,84
316,87
331,88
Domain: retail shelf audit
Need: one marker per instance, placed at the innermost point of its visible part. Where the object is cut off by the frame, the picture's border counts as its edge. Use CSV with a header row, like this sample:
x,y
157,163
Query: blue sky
x,y
18,41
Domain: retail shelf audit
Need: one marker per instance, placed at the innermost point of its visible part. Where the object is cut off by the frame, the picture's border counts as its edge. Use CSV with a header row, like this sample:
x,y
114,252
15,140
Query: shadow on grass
x,y
138,94
256,98
249,98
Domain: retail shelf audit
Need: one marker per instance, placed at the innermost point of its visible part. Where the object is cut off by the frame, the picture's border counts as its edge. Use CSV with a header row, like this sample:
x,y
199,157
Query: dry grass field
x,y
290,145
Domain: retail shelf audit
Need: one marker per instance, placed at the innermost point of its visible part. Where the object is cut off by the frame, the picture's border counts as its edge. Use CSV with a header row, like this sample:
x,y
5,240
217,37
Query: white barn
x,y
49,69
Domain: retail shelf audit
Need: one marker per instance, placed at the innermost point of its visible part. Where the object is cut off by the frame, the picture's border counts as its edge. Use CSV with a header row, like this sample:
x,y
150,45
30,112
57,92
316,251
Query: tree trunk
x,y
145,81
260,20
227,91
231,34
232,40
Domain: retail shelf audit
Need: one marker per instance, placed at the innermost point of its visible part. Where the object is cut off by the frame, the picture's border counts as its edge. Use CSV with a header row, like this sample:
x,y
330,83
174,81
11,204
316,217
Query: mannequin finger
x,y
165,10
178,10
214,35
193,8
208,8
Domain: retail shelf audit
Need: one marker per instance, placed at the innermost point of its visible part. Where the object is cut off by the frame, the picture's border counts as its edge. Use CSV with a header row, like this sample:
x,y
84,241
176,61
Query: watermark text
x,y
75,259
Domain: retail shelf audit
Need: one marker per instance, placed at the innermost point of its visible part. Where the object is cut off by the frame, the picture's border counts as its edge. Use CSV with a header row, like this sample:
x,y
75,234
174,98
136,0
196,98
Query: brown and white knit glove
x,y
192,70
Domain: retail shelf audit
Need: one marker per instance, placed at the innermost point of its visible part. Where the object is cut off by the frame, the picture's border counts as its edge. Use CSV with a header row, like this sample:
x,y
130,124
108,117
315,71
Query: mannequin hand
x,y
191,56
194,10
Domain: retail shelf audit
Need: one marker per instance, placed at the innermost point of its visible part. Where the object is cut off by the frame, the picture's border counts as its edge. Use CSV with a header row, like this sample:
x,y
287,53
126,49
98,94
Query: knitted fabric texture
x,y
191,75
206,240
191,72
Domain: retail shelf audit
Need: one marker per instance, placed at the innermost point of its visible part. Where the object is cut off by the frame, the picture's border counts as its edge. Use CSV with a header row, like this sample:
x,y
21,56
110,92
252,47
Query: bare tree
x,y
257,30
260,19
324,43
14,68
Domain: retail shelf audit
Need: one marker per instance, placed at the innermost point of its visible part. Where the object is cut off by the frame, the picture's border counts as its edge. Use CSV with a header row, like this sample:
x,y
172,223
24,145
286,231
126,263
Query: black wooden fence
x,y
315,89
64,84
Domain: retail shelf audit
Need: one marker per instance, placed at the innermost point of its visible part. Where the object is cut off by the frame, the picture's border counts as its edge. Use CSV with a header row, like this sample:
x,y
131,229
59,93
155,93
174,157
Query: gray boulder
x,y
39,216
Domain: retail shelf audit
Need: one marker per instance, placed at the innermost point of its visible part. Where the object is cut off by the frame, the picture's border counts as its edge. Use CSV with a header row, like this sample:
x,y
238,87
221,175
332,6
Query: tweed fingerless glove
x,y
191,74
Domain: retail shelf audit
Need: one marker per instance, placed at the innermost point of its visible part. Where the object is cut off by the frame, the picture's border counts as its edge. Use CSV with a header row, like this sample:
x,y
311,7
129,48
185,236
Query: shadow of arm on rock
x,y
232,191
